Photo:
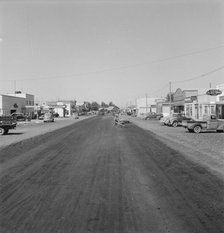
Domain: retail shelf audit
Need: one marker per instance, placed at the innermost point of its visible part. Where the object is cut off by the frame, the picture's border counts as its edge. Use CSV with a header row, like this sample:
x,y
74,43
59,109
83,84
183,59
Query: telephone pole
x,y
170,96
15,87
146,102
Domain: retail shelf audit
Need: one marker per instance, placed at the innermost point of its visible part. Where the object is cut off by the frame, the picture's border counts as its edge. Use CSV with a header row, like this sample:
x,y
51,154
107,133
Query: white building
x,y
63,108
145,105
201,104
220,98
18,102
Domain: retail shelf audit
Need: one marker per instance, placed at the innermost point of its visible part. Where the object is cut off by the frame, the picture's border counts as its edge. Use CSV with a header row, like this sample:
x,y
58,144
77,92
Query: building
x,y
145,105
220,101
180,97
112,109
163,107
196,106
18,102
63,108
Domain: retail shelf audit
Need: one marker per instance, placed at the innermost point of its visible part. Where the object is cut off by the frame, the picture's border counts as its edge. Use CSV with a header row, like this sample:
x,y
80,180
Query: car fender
x,y
192,125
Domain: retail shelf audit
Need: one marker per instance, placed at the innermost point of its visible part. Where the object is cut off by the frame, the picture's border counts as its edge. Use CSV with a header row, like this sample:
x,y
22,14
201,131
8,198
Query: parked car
x,y
6,123
164,120
20,117
55,114
159,116
41,116
209,123
176,119
150,115
153,115
48,117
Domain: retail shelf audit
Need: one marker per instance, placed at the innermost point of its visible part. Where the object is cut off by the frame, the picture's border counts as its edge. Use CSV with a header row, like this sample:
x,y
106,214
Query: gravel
x,y
25,130
205,148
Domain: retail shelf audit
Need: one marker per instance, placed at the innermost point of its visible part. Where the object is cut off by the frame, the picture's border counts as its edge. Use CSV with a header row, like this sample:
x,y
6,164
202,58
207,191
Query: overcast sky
x,y
110,50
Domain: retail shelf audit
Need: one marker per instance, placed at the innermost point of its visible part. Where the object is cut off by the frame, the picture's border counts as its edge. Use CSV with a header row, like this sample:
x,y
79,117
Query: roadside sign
x,y
214,92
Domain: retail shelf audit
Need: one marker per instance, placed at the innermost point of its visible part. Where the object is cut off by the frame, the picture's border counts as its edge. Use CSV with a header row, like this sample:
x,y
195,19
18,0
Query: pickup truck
x,y
209,123
6,123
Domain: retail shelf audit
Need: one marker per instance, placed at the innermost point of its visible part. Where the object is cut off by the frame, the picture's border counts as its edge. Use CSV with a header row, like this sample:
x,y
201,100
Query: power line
x,y
201,75
190,79
117,68
160,89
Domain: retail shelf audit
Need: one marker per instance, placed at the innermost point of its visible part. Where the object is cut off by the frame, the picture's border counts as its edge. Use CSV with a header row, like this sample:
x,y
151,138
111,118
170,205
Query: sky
x,y
115,51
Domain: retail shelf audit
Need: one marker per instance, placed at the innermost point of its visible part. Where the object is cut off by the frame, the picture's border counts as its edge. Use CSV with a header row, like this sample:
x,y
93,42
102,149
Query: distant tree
x,y
94,106
111,103
87,106
104,105
73,106
168,97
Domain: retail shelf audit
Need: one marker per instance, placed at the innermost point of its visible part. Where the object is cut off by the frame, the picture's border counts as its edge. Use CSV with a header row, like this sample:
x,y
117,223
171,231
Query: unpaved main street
x,y
94,177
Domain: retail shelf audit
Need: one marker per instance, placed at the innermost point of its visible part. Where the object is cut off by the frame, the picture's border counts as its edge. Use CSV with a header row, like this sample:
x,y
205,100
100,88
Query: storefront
x,y
11,104
145,105
220,102
203,104
181,97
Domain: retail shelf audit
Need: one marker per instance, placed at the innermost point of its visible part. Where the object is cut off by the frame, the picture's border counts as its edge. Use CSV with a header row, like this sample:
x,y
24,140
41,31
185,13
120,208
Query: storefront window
x,y
206,109
187,110
212,109
190,109
200,107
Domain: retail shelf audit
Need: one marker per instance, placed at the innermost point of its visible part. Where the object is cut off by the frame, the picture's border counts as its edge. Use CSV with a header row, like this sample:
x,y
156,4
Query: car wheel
x,y
2,131
197,129
175,124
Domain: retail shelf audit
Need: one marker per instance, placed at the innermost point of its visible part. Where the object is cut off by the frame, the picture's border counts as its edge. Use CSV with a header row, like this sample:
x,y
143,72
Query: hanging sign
x,y
214,92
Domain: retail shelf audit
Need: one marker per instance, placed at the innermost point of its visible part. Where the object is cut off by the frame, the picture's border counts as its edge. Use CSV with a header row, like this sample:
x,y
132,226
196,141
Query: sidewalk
x,y
25,130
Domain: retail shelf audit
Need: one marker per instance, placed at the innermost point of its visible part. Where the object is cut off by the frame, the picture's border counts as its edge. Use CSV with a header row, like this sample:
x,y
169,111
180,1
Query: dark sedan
x,y
20,117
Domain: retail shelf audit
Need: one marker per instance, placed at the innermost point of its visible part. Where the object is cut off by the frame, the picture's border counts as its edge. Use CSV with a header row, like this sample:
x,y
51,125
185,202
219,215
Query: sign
x,y
15,105
214,92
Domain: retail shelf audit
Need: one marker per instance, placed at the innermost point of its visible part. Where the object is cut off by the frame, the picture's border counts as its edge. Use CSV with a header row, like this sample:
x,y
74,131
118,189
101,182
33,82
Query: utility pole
x,y
170,96
15,87
146,102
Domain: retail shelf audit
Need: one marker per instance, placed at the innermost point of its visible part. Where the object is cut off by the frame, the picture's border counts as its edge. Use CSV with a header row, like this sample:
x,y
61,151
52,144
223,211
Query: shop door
x,y
12,111
222,112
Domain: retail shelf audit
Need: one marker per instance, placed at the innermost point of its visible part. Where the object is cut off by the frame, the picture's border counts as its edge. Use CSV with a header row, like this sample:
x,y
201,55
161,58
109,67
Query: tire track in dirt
x,y
93,177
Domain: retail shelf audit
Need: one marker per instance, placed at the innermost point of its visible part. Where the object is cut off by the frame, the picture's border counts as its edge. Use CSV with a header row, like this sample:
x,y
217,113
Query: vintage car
x,y
20,117
6,123
150,115
209,123
176,119
48,117
153,115
164,120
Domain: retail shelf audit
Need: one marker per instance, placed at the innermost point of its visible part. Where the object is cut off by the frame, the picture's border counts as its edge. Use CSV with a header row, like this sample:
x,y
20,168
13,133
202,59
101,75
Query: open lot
x,y
26,130
205,148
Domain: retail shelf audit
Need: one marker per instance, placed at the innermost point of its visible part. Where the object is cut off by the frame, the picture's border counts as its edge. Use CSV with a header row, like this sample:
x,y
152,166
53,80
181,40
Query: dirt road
x,y
94,177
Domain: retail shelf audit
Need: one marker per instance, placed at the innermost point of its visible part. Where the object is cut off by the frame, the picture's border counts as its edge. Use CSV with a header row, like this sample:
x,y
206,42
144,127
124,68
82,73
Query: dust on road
x,y
94,177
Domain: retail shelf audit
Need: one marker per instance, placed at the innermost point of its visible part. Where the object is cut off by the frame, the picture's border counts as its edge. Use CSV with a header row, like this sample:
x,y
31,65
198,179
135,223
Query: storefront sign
x,y
15,105
213,92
